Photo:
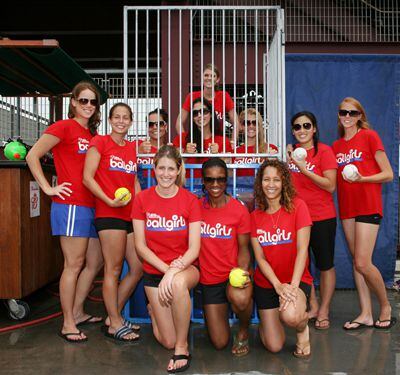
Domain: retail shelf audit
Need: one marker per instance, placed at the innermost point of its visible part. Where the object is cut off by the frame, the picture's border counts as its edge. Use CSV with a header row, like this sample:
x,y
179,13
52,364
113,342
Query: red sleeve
x,y
374,142
187,104
137,208
228,102
245,222
98,142
57,129
328,160
195,209
303,218
228,146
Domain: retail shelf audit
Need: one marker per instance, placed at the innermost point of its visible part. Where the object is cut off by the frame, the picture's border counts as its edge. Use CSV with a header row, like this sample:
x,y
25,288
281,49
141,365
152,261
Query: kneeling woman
x,y
111,164
280,233
225,235
167,220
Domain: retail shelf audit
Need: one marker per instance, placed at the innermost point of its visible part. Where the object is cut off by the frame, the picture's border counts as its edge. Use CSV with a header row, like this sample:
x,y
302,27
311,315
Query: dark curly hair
x,y
288,191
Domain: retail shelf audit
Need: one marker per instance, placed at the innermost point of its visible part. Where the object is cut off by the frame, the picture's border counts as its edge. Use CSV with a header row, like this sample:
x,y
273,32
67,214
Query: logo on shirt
x,y
351,157
272,239
293,167
217,231
117,164
249,160
155,222
83,145
145,161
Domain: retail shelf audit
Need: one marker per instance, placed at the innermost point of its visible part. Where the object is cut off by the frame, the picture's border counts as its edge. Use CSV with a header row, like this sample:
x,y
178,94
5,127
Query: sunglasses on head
x,y
345,112
250,122
155,123
84,101
197,112
306,126
218,180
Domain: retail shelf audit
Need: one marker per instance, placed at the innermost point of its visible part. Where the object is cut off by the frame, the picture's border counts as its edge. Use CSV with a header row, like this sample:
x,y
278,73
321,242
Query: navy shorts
x,y
267,298
322,243
72,221
214,294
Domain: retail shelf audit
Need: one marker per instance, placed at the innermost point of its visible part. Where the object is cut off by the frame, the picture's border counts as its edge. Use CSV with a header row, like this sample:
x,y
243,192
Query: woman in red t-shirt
x,y
360,206
204,136
221,100
111,164
252,123
167,220
280,234
225,234
314,178
72,209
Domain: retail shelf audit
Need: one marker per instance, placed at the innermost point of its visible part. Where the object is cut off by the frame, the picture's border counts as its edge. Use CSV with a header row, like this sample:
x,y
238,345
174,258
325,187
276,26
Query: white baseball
x,y
350,171
299,154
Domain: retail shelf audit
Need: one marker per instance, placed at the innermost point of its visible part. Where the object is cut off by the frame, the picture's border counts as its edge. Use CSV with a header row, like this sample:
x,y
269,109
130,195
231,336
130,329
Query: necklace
x,y
275,223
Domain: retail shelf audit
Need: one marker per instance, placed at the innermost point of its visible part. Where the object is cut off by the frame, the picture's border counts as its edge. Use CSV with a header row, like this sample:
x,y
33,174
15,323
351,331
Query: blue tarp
x,y
318,83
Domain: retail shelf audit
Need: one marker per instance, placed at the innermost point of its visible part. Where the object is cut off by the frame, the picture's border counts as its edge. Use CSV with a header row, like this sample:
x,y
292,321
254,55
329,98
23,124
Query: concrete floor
x,y
38,349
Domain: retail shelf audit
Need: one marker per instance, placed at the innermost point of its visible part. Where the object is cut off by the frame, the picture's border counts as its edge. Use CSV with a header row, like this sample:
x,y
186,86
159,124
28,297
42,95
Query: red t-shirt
x,y
147,160
219,139
249,160
319,201
117,168
69,159
280,244
219,244
218,102
166,223
359,198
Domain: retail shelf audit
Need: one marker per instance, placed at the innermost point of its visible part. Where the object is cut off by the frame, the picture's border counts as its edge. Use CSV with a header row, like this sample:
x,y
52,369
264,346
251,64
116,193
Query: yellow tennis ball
x,y
123,194
236,277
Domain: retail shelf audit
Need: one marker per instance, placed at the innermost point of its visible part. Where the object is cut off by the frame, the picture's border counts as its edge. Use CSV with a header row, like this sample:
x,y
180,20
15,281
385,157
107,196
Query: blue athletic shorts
x,y
72,221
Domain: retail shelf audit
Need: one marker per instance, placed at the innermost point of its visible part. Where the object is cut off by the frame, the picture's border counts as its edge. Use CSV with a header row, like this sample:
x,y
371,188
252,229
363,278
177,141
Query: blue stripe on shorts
x,y
72,221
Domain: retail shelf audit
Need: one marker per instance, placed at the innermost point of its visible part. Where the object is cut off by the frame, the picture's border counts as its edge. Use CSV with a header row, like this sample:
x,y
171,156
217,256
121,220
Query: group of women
x,y
176,240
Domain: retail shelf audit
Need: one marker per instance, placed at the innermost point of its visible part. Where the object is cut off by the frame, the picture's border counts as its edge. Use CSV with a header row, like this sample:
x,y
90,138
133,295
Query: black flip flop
x,y
88,321
177,357
360,326
120,333
66,336
392,320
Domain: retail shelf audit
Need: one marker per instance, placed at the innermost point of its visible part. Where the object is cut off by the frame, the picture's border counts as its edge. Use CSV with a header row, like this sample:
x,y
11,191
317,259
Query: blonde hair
x,y
362,122
262,146
172,153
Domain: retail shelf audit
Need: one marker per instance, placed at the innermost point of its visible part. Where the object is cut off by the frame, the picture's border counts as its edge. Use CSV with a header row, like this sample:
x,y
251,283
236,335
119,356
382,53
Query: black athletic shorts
x,y
104,223
151,280
214,294
369,219
267,298
322,243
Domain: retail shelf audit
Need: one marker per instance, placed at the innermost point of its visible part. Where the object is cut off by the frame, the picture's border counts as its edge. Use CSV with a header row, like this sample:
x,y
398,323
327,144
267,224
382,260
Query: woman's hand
x,y
191,148
357,177
178,263
287,294
165,287
59,190
118,202
248,280
289,150
213,147
145,147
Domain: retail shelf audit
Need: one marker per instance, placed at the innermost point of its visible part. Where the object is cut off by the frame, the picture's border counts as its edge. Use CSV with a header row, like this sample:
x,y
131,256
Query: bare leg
x,y
314,307
94,263
216,317
272,333
327,288
74,250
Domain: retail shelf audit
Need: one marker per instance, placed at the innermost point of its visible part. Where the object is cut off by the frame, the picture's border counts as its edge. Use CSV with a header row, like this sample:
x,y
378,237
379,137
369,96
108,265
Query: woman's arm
x,y
181,117
138,188
45,143
192,253
303,240
92,161
385,175
234,119
244,258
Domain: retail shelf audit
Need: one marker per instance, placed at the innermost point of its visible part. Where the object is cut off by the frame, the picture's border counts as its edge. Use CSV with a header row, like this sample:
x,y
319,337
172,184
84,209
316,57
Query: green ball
x,y
15,151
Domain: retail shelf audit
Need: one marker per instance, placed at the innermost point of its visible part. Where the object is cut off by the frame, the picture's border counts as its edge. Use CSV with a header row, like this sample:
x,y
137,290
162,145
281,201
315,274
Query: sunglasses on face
x,y
306,126
250,122
345,112
85,101
197,112
218,180
155,123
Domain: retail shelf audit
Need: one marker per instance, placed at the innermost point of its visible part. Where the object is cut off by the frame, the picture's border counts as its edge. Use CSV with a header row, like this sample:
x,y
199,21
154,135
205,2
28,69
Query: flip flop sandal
x,y
89,320
120,333
177,357
130,325
239,344
319,324
359,326
392,321
299,352
66,337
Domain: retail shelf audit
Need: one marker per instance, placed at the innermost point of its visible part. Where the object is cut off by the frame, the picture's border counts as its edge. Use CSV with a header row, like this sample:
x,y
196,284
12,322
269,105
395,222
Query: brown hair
x,y
95,119
172,153
288,191
362,122
260,129
114,107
